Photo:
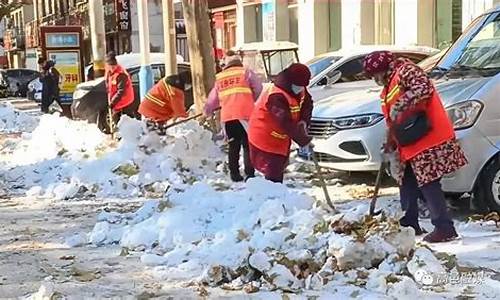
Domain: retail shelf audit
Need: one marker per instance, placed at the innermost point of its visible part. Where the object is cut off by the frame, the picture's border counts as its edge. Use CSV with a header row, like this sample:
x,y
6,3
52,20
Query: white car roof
x,y
365,49
267,46
131,60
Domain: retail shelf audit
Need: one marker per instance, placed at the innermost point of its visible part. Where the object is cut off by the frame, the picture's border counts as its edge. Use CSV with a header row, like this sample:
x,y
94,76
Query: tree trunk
x,y
199,40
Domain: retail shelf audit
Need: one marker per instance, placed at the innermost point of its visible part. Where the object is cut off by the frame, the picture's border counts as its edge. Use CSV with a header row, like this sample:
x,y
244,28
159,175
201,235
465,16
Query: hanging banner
x,y
269,20
68,65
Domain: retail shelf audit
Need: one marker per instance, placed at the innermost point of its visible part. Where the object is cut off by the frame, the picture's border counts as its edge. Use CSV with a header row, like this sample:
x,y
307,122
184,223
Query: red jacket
x,y
265,131
441,127
120,89
163,102
235,94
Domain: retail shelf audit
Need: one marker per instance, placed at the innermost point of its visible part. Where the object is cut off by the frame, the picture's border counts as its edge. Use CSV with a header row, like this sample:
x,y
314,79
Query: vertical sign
x,y
123,15
269,20
67,63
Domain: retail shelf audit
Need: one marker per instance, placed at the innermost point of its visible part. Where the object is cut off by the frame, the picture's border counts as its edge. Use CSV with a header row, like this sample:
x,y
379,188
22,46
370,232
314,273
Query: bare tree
x,y
196,17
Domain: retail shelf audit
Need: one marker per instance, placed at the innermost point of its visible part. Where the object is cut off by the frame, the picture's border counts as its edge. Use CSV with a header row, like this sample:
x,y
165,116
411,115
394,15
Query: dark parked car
x,y
90,100
17,80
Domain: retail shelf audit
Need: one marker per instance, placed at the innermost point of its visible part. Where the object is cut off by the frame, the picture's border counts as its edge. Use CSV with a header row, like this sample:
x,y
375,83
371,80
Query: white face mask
x,y
297,89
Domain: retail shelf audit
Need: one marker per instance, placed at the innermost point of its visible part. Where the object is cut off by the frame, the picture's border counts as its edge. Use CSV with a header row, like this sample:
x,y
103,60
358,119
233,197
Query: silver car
x,y
349,127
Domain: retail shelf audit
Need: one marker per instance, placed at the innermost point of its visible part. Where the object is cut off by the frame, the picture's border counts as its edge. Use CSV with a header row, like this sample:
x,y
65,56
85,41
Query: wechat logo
x,y
423,277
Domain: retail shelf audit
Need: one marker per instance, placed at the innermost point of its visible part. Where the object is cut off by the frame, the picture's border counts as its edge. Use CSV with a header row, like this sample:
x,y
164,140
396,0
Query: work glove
x,y
308,150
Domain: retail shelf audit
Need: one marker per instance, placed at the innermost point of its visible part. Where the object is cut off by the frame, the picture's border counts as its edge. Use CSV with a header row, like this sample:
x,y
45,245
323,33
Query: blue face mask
x,y
297,89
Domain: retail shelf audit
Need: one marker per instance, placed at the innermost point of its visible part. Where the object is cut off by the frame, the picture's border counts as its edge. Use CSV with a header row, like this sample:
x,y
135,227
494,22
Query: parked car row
x,y
90,98
348,127
14,82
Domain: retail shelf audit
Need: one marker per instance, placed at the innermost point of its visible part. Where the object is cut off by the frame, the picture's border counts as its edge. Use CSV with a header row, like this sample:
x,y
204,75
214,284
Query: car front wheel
x,y
489,186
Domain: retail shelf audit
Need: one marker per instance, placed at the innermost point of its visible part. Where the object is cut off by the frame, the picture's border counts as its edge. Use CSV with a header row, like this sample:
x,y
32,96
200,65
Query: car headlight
x,y
358,121
464,114
79,93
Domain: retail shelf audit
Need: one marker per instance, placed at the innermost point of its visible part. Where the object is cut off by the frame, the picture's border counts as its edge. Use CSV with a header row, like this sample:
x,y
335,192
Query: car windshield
x,y
478,48
319,64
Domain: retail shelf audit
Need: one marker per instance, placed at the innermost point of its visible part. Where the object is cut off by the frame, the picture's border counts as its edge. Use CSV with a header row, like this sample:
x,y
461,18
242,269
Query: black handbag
x,y
412,128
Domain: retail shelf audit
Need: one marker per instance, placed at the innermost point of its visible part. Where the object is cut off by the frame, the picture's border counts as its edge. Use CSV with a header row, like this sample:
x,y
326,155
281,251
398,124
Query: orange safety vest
x,y
112,84
264,132
163,102
441,127
235,95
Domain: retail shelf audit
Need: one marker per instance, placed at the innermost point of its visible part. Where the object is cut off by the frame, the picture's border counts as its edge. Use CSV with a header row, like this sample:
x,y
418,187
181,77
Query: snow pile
x,y
263,236
62,158
12,120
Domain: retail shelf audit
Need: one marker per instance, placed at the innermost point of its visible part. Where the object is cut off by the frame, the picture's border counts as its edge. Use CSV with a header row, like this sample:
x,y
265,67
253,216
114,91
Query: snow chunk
x,y
425,267
260,261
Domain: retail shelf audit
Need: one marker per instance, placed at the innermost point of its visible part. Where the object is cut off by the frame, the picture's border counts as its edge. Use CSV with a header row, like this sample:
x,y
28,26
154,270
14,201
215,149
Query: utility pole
x,y
98,36
200,49
169,37
145,73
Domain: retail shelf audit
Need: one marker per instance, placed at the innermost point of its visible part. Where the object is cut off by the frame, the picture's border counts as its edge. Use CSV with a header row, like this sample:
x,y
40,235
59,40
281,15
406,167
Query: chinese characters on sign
x,y
123,15
67,63
62,40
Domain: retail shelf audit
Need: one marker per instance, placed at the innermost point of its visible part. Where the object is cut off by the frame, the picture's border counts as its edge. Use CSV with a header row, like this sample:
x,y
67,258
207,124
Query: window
x,y
158,74
134,75
319,64
351,71
483,51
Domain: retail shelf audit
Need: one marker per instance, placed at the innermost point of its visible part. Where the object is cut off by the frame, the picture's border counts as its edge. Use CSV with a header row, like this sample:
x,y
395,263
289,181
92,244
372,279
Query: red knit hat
x,y
298,74
377,62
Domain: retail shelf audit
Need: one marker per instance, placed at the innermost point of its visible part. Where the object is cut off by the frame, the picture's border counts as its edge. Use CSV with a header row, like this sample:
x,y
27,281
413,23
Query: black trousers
x,y
238,138
47,100
433,195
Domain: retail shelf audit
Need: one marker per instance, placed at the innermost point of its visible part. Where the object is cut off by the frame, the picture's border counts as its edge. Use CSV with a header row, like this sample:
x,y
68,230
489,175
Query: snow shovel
x,y
378,183
186,120
322,181
111,123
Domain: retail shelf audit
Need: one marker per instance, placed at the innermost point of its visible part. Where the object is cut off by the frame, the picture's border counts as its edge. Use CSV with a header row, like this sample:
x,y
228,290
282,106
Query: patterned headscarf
x,y
377,62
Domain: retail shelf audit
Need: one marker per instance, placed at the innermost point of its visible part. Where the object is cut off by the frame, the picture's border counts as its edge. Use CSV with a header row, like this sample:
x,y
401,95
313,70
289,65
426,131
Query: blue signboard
x,y
62,40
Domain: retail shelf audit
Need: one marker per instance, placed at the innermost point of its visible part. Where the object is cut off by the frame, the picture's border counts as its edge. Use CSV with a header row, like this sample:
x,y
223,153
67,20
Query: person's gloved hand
x,y
307,149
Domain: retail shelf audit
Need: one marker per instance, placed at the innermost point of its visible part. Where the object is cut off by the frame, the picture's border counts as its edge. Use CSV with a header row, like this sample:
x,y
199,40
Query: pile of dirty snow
x,y
63,158
265,236
12,120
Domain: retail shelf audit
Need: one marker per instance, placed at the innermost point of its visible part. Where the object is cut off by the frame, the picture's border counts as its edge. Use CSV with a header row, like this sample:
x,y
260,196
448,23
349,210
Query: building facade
x,y
14,35
320,26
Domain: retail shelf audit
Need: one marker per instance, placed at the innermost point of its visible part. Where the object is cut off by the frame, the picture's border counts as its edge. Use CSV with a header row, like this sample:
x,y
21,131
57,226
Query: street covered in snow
x,y
146,216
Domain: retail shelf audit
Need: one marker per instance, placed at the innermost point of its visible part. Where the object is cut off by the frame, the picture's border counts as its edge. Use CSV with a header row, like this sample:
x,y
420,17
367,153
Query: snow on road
x,y
150,216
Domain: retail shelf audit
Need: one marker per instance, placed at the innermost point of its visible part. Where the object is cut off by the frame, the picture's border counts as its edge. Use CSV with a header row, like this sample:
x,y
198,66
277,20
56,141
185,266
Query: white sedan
x,y
346,66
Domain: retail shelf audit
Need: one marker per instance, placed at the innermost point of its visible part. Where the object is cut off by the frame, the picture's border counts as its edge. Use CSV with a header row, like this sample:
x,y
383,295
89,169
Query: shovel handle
x,y
378,182
322,181
187,119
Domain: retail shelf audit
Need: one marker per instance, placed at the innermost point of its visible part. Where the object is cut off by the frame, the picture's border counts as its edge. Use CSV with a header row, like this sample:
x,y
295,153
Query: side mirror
x,y
334,77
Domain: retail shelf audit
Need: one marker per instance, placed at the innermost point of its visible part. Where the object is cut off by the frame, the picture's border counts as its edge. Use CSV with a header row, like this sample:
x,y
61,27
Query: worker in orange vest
x,y
235,91
165,101
420,137
120,90
281,115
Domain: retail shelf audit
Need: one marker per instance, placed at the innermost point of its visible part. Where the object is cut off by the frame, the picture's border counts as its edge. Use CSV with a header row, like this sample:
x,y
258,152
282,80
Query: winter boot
x,y
418,230
249,176
439,235
236,177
